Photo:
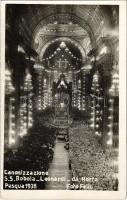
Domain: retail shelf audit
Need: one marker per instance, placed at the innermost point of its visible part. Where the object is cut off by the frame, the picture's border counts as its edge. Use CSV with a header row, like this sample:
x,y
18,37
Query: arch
x,y
75,43
74,18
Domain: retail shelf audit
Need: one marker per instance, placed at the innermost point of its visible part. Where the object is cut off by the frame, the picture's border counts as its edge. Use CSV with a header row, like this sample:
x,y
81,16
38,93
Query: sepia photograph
x,y
61,97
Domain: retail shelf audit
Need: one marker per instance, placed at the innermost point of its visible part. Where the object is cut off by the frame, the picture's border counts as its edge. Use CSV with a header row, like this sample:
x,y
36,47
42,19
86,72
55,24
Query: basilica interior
x,y
62,92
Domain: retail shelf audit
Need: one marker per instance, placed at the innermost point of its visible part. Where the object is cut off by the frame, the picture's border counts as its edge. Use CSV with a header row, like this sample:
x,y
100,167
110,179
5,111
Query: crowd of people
x,y
89,160
35,152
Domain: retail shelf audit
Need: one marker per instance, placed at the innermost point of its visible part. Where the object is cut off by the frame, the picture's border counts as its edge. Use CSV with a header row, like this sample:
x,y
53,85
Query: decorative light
x,y
58,49
32,58
97,133
45,80
96,77
62,105
110,109
21,49
92,59
11,141
111,124
114,90
12,116
96,107
109,142
62,45
39,108
23,132
92,125
110,117
115,78
70,23
66,49
92,113
8,82
110,100
8,73
104,50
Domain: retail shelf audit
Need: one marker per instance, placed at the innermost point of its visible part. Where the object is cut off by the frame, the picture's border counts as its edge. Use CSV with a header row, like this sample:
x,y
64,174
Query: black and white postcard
x,y
63,100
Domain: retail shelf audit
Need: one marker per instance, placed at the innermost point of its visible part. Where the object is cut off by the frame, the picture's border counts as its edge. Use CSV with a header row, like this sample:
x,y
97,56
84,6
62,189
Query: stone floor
x,y
59,167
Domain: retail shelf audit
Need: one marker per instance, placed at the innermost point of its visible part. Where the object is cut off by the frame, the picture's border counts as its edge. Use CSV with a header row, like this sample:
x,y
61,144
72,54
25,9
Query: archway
x,y
64,39
72,17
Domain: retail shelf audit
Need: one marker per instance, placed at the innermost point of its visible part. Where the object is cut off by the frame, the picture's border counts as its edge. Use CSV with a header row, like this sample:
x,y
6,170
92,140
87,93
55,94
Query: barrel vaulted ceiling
x,y
38,24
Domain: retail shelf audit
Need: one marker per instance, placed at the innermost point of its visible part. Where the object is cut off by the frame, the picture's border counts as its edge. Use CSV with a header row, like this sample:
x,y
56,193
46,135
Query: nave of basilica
x,y
62,93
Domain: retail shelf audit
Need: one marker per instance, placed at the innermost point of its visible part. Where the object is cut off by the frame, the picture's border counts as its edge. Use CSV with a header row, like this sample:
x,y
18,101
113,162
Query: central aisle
x,y
59,167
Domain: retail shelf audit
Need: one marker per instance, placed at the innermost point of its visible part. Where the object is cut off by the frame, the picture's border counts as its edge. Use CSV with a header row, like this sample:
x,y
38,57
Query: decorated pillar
x,y
85,70
79,95
74,91
113,121
96,105
26,106
39,96
49,90
83,90
11,137
45,92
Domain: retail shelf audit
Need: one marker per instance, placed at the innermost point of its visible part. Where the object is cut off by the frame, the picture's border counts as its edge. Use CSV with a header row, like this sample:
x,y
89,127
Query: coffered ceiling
x,y
39,24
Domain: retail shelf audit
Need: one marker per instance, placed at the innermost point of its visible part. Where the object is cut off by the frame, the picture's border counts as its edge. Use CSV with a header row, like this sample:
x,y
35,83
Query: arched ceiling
x,y
61,54
90,21
45,32
70,45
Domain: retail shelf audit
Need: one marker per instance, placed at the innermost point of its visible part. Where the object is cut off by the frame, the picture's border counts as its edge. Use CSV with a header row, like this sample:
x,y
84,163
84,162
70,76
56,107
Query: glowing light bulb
x,y
12,141
91,125
110,133
62,45
97,133
109,142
